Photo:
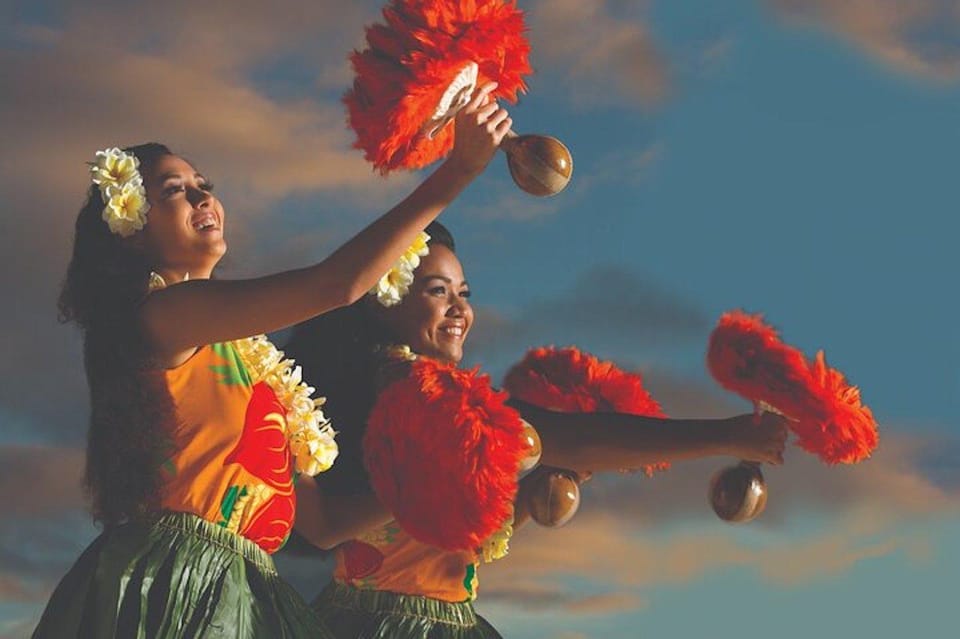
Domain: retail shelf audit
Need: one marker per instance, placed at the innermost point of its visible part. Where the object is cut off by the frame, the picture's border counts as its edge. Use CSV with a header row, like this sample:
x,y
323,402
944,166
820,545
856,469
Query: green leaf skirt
x,y
351,613
182,577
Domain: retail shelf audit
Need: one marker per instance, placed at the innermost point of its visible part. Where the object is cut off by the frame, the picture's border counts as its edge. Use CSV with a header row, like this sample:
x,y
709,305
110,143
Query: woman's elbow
x,y
353,293
326,543
322,539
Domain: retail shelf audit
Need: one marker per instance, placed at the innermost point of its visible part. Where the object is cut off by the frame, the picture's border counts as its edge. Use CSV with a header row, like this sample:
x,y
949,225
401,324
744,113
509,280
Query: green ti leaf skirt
x,y
352,613
180,577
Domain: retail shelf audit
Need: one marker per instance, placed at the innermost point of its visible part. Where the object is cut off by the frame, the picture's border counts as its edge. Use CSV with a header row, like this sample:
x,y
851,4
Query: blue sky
x,y
790,157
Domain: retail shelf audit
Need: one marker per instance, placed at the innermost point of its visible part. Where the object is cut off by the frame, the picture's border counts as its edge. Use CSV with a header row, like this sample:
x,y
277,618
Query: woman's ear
x,y
378,311
137,241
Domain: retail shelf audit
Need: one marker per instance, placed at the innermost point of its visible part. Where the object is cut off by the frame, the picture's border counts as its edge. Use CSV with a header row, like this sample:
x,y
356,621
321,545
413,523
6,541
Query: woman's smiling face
x,y
435,316
184,229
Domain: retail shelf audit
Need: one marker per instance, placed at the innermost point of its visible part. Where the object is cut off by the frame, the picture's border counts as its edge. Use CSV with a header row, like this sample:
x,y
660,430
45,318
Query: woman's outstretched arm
x,y
194,313
612,441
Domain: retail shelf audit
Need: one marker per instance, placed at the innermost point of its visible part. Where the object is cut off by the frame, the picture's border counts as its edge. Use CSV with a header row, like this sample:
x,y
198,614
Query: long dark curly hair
x,y
336,351
106,282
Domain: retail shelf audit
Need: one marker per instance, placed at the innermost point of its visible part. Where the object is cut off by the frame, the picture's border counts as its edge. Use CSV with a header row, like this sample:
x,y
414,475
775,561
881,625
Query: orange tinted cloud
x,y
635,533
54,476
917,37
532,596
604,57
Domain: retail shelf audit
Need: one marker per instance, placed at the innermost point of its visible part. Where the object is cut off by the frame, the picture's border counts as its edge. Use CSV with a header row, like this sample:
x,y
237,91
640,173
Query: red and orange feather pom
x,y
569,380
442,450
411,60
748,357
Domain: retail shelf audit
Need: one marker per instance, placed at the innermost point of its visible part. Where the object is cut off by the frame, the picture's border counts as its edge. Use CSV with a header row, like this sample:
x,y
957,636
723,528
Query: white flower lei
x,y
396,282
309,432
117,174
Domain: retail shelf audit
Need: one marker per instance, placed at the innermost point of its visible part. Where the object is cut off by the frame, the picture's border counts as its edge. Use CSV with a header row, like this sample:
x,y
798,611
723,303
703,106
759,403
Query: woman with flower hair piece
x,y
396,574
198,430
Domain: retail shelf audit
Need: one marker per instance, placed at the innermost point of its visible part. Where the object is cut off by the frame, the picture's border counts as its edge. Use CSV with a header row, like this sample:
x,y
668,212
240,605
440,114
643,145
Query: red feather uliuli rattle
x,y
570,380
422,66
747,356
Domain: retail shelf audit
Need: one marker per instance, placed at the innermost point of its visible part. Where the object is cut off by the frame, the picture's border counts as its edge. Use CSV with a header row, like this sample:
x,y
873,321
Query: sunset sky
x,y
796,158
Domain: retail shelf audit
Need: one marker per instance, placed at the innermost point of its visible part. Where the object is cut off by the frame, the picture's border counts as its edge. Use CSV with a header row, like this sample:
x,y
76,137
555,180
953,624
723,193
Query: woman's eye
x,y
171,190
465,294
438,290
207,186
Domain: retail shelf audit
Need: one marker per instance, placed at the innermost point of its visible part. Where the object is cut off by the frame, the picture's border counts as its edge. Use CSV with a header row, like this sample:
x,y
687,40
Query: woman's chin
x,y
447,355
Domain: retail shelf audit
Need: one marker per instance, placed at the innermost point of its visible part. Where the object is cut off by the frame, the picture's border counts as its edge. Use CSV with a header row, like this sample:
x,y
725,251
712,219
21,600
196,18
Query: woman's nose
x,y
199,197
458,306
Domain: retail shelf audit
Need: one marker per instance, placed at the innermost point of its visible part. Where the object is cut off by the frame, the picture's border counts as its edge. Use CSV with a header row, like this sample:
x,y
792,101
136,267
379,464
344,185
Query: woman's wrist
x,y
457,167
729,436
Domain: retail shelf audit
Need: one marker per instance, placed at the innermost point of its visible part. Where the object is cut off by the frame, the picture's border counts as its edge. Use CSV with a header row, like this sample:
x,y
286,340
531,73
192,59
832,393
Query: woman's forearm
x,y
207,311
613,441
327,521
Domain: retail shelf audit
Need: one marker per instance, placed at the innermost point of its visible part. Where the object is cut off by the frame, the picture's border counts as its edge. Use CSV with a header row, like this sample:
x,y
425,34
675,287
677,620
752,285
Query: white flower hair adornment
x,y
117,174
396,282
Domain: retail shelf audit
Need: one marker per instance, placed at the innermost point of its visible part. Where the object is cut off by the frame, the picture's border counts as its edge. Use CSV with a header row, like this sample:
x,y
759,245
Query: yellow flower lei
x,y
309,432
498,544
117,174
396,282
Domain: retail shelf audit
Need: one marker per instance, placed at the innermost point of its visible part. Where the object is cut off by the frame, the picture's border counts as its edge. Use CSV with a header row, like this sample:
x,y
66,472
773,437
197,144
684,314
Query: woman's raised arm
x,y
200,312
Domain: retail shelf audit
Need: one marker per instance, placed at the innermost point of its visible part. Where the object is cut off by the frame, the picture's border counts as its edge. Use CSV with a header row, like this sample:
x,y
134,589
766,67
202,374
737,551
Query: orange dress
x,y
229,460
203,567
388,559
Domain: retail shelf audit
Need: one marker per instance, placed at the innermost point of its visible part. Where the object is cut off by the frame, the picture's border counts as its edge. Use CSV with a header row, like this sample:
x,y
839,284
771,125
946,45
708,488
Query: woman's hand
x,y
757,438
479,128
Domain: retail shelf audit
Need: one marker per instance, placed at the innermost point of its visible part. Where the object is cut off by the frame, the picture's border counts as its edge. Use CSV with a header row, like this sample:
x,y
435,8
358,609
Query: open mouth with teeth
x,y
453,331
205,223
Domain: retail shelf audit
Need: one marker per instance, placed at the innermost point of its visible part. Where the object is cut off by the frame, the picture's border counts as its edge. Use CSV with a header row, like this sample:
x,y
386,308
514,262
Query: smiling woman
x,y
186,221
427,449
437,325
199,425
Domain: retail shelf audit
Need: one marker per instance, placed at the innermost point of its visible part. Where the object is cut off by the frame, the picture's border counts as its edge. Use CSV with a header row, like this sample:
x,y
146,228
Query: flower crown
x,y
121,186
396,282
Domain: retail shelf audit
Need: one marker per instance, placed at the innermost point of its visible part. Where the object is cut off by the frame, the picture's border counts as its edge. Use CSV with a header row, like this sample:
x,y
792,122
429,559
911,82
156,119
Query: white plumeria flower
x,y
395,284
113,167
126,209
117,174
314,451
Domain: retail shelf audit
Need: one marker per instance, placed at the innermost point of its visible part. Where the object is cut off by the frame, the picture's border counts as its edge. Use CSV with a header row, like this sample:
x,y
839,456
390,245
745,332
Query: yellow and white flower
x,y
125,212
498,544
113,167
309,432
400,352
396,282
117,174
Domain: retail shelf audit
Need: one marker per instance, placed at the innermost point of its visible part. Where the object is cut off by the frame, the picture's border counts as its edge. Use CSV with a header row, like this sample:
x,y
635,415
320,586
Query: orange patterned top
x,y
230,462
389,559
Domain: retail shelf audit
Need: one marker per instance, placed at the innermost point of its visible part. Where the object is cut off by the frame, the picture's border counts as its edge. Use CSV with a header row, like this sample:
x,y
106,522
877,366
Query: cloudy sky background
x,y
791,157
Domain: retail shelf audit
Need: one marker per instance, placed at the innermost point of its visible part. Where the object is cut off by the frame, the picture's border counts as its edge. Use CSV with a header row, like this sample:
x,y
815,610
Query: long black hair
x,y
105,283
337,354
